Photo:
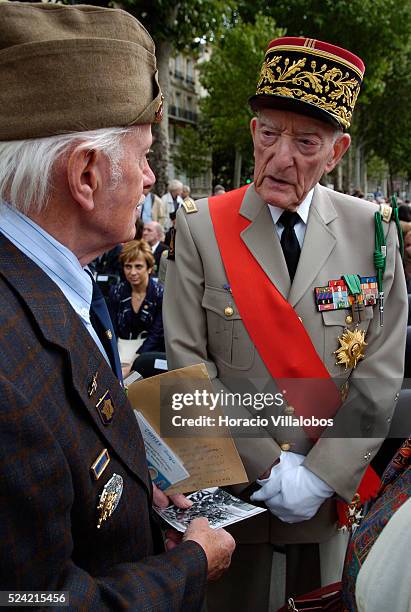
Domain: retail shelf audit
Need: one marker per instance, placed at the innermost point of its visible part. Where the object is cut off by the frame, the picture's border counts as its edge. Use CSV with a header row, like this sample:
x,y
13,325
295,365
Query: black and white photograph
x,y
218,506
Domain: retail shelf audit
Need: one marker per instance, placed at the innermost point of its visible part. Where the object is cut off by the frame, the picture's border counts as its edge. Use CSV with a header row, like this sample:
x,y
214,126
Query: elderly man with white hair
x,y
172,200
154,235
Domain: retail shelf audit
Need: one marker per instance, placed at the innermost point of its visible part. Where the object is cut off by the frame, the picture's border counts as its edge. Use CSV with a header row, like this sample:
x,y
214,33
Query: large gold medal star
x,y
352,344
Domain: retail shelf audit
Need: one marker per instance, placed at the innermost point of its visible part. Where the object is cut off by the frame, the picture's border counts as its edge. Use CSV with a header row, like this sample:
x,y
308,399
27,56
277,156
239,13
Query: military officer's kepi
x,y
311,77
105,408
109,498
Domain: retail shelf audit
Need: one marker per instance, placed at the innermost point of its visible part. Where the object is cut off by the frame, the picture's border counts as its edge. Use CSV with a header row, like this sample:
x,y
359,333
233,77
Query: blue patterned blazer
x,y
50,434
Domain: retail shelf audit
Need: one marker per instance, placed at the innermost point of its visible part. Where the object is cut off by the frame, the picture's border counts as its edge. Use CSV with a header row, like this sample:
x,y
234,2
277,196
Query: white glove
x,y
292,492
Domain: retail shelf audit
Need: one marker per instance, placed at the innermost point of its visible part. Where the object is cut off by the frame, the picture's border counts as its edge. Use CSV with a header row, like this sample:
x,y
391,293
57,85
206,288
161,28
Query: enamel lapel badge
x,y
105,408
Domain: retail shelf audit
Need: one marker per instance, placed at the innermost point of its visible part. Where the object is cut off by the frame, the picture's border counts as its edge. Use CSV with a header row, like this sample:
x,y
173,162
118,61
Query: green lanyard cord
x,y
380,250
353,283
394,206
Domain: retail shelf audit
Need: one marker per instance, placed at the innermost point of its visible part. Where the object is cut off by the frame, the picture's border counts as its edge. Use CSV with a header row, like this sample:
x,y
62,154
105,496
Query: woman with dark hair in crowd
x,y
136,304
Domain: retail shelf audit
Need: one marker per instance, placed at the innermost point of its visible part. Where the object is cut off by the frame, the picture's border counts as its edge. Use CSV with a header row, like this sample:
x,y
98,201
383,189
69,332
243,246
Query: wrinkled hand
x,y
217,544
292,492
161,500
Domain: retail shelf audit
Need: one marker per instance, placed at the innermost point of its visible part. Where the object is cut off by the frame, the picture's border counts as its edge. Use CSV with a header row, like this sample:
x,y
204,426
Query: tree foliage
x,y
175,26
192,157
184,22
387,130
230,77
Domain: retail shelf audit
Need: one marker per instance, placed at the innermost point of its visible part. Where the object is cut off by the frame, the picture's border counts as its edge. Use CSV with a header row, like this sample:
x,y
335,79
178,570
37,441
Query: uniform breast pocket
x,y
228,340
335,322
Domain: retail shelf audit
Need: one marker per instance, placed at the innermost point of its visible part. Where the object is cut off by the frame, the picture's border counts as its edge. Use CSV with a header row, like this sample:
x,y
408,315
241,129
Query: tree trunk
x,y
160,147
237,169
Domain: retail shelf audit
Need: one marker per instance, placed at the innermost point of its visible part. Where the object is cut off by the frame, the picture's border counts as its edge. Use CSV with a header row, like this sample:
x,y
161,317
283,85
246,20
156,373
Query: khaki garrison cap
x,y
73,68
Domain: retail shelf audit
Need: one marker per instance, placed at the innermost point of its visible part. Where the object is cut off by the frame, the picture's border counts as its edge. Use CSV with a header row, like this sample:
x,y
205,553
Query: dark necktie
x,y
289,241
103,326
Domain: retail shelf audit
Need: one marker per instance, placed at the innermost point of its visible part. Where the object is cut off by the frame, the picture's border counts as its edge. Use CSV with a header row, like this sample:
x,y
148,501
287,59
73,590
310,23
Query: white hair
x,y
174,185
159,230
26,165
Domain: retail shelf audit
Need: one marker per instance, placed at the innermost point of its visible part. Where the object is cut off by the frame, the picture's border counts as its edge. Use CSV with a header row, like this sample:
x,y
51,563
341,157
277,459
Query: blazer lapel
x,y
262,240
319,242
61,326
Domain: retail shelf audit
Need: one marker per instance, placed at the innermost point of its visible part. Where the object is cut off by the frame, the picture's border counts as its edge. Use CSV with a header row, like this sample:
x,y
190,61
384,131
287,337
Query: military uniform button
x,y
289,410
397,395
228,311
367,456
285,446
348,319
300,319
109,334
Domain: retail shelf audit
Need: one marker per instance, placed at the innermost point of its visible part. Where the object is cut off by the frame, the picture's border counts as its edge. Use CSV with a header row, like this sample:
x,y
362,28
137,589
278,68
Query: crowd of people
x,y
274,286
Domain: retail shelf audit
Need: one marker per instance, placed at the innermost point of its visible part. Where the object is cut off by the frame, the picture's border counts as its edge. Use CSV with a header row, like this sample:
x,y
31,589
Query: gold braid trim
x,y
327,88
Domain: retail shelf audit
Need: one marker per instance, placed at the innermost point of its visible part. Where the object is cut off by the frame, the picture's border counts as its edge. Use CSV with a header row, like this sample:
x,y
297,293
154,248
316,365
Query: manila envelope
x,y
209,454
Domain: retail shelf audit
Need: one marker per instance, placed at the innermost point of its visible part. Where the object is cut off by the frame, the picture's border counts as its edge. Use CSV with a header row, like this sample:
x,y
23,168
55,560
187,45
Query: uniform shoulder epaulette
x,y
386,212
189,206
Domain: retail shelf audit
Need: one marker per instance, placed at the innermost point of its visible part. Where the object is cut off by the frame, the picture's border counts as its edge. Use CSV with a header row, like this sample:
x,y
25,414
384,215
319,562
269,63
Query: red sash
x,y
271,322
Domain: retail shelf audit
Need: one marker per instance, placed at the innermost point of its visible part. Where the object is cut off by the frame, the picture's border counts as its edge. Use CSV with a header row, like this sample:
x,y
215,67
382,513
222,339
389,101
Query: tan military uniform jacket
x,y
339,240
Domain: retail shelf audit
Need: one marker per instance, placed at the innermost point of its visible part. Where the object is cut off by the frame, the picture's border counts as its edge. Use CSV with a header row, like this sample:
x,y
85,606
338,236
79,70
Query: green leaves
x,y
230,77
183,21
192,157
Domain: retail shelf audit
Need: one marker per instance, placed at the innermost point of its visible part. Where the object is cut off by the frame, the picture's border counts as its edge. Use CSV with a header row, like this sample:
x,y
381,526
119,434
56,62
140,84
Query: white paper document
x,y
161,364
215,504
163,464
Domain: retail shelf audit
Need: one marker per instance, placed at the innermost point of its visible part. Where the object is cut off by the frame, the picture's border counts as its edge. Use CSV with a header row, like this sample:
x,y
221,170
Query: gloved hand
x,y
292,492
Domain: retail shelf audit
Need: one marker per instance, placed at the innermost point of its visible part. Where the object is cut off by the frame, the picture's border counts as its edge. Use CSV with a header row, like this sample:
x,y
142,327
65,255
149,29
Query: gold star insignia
x,y
352,344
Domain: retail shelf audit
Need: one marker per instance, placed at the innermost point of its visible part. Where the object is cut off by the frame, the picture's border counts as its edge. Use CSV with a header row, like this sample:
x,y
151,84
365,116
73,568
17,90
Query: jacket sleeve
x,y
37,543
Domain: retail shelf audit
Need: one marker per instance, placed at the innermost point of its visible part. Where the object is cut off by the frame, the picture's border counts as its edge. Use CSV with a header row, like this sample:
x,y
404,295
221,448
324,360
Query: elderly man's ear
x,y
86,171
340,147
